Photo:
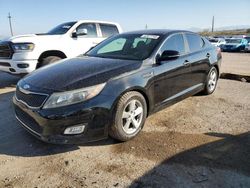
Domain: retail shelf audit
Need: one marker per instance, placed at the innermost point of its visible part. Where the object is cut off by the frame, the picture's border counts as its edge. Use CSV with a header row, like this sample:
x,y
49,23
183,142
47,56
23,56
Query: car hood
x,y
80,72
35,38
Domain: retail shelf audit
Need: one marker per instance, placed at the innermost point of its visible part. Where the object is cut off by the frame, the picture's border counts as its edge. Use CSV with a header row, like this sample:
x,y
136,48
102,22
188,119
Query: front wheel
x,y
130,116
211,81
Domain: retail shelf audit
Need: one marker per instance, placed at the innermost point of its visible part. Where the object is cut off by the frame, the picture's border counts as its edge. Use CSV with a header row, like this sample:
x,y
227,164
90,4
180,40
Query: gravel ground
x,y
203,141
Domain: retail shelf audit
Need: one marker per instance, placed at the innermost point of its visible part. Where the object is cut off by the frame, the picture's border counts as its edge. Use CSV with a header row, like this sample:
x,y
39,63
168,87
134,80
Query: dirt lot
x,y
203,141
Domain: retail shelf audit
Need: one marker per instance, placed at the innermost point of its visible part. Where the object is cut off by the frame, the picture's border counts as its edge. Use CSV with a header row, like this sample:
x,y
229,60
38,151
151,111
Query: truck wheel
x,y
49,60
129,117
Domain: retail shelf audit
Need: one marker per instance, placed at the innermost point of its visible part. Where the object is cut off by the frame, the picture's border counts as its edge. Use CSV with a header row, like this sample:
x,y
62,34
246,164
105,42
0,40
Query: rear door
x,y
198,56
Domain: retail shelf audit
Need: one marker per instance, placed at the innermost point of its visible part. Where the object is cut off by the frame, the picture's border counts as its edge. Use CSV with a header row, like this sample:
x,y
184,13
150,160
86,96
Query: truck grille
x,y
4,64
5,51
33,100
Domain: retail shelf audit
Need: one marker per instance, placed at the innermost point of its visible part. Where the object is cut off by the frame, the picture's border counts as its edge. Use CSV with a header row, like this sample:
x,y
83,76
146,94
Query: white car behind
x,y
217,41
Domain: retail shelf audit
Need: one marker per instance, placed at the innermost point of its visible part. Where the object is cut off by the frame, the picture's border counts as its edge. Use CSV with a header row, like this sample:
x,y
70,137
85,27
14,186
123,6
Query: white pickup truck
x,y
25,53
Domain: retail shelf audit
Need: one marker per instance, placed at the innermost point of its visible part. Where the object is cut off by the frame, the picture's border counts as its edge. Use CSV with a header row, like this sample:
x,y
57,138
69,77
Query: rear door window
x,y
108,30
195,42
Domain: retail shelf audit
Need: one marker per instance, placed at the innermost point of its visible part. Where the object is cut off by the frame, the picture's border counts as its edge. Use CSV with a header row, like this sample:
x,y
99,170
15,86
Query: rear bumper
x,y
49,125
17,66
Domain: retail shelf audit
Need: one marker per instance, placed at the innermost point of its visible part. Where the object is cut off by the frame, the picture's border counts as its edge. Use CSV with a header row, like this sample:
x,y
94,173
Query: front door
x,y
172,77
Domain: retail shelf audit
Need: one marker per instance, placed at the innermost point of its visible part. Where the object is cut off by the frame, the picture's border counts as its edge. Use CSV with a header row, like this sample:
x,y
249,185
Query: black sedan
x,y
112,89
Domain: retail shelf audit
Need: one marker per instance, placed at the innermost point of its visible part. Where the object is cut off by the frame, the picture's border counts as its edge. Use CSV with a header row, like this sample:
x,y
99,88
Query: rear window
x,y
108,30
195,42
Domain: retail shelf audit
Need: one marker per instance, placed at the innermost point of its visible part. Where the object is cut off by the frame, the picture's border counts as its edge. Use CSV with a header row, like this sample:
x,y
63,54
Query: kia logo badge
x,y
26,86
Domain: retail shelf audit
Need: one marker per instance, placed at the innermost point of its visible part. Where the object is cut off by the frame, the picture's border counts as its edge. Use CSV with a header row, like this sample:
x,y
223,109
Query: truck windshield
x,y
126,46
61,29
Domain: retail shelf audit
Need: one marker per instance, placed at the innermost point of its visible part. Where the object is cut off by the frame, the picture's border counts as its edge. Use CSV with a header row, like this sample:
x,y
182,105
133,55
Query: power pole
x,y
11,31
213,24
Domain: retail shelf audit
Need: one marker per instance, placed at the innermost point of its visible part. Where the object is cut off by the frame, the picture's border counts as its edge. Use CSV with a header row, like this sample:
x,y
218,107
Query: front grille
x,y
28,121
31,99
5,51
4,64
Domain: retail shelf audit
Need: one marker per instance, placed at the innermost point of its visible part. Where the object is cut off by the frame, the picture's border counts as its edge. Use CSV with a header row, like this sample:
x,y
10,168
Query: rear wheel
x,y
49,60
130,116
211,82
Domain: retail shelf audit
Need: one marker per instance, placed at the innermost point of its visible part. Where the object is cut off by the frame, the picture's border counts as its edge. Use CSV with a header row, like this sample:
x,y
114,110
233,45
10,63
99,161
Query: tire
x,y
211,81
49,60
126,123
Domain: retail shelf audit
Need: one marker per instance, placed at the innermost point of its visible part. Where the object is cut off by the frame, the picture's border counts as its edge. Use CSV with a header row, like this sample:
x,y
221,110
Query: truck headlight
x,y
21,47
73,97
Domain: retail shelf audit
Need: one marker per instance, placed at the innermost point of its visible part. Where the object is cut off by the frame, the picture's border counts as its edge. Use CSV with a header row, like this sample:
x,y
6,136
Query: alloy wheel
x,y
212,80
132,116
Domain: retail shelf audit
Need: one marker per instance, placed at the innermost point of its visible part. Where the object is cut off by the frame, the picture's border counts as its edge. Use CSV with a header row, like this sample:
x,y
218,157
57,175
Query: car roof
x,y
157,31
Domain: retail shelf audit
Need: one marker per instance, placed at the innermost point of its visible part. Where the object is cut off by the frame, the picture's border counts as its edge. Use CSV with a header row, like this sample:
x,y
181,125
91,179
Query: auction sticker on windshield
x,y
150,36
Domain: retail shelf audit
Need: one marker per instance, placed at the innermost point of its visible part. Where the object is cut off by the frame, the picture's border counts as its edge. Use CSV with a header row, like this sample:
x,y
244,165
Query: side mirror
x,y
79,32
168,55
74,35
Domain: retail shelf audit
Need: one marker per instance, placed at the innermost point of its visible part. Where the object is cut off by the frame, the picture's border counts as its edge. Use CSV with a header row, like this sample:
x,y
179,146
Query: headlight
x,y
20,47
73,97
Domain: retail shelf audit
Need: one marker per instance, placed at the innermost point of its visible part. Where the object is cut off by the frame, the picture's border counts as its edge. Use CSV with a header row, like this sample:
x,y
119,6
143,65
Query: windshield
x,y
236,41
61,29
129,46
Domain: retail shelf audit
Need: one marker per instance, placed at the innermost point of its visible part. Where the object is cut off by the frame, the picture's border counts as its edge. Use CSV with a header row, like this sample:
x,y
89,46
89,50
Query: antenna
x,y
213,24
11,31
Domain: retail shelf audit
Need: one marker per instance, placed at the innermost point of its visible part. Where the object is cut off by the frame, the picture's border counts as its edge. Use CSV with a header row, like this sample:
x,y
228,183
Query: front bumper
x,y
15,66
48,125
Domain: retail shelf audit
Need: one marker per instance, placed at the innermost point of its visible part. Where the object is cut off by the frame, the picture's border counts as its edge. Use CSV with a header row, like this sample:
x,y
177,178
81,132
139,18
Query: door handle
x,y
148,75
186,63
208,55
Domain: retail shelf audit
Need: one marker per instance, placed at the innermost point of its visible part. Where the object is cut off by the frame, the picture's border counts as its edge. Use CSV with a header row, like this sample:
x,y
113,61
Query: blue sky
x,y
36,16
